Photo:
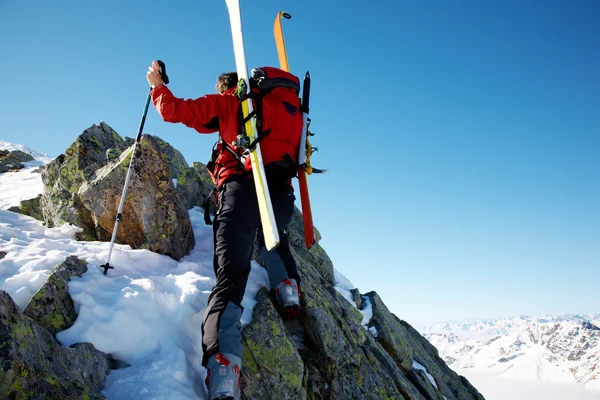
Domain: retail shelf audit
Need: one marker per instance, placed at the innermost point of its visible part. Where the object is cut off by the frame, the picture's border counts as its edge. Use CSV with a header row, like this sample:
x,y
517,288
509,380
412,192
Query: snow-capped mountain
x,y
552,348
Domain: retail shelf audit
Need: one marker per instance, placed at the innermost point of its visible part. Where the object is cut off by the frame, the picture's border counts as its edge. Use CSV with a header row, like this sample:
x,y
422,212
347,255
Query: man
x,y
236,222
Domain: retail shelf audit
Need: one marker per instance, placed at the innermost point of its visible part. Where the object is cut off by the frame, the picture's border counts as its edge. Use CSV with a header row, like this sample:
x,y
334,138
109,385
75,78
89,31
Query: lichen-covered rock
x,y
52,306
20,155
11,160
82,158
83,187
63,176
339,358
34,366
30,207
346,362
272,367
153,216
389,335
405,344
172,157
194,186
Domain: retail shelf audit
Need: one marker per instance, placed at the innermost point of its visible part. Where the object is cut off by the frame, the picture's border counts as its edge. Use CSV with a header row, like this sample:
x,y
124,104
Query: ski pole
x,y
165,79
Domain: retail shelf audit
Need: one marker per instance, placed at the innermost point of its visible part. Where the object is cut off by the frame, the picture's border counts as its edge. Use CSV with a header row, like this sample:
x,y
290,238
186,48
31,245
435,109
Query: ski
x,y
309,229
267,215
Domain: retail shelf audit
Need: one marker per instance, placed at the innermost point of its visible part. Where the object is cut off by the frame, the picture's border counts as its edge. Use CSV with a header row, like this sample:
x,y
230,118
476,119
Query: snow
x,y
24,184
147,312
417,365
343,286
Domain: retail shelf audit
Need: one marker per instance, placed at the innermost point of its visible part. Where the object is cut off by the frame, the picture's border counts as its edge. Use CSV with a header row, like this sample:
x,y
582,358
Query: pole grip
x,y
163,72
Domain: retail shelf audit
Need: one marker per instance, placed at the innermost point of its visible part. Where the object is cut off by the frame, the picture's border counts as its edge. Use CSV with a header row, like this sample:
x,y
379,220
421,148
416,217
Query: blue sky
x,y
461,138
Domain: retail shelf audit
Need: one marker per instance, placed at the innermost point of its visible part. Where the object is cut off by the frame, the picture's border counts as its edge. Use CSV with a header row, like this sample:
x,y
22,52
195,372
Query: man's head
x,y
226,81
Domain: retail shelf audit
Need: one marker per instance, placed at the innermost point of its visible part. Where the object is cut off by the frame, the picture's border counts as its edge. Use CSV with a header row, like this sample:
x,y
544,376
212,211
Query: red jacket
x,y
207,114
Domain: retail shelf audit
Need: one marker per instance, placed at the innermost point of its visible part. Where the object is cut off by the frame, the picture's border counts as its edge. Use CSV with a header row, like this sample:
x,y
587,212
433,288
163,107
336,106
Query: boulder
x,y
52,306
153,216
83,187
30,207
35,366
63,176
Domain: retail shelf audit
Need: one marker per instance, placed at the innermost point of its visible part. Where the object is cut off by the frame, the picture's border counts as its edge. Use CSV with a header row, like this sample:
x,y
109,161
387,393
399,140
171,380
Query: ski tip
x,y
285,15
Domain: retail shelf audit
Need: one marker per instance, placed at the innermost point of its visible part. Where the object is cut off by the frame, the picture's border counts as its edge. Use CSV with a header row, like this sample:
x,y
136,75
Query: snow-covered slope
x,y
552,348
24,184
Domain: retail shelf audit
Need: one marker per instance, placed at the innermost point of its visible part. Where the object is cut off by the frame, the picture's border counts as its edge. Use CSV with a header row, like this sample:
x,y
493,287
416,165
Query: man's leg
x,y
234,229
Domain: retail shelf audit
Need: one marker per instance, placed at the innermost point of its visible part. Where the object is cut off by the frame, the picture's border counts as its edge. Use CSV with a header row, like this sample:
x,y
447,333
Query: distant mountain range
x,y
555,348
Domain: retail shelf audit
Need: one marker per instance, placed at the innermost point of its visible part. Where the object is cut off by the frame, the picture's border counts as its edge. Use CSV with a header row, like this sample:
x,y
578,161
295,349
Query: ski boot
x,y
287,295
223,378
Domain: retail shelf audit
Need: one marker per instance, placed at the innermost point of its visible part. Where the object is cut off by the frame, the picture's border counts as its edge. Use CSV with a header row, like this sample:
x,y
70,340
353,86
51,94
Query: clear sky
x,y
461,138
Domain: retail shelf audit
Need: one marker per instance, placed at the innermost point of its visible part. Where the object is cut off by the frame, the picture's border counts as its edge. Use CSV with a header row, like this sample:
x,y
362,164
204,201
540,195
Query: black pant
x,y
234,229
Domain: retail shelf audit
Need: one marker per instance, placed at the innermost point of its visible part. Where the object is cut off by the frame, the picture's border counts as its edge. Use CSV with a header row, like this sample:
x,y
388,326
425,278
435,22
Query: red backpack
x,y
278,120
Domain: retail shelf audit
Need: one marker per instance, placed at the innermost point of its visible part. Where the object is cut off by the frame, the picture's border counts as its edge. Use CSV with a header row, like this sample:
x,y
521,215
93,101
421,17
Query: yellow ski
x,y
267,216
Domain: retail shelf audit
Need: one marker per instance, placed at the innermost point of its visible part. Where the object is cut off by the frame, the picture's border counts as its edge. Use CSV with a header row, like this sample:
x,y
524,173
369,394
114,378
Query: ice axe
x,y
165,79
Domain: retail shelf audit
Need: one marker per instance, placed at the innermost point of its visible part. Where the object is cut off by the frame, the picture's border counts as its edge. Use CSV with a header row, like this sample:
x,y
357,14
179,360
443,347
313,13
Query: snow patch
x,y
417,365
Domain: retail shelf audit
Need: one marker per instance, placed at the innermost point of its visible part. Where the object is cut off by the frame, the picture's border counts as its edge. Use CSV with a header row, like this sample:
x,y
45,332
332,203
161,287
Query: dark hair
x,y
226,81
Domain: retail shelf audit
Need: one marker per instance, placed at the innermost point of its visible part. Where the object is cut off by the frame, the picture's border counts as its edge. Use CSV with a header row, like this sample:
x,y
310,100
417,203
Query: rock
x,y
172,157
272,367
20,155
194,186
391,338
357,298
35,366
589,326
11,160
64,175
52,306
30,207
2,254
153,217
405,344
346,362
328,354
315,256
84,186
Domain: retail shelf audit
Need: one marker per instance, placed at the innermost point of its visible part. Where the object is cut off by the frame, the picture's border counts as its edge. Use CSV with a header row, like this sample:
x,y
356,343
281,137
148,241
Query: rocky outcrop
x,y
153,216
406,345
11,160
84,186
52,306
35,366
64,175
329,354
